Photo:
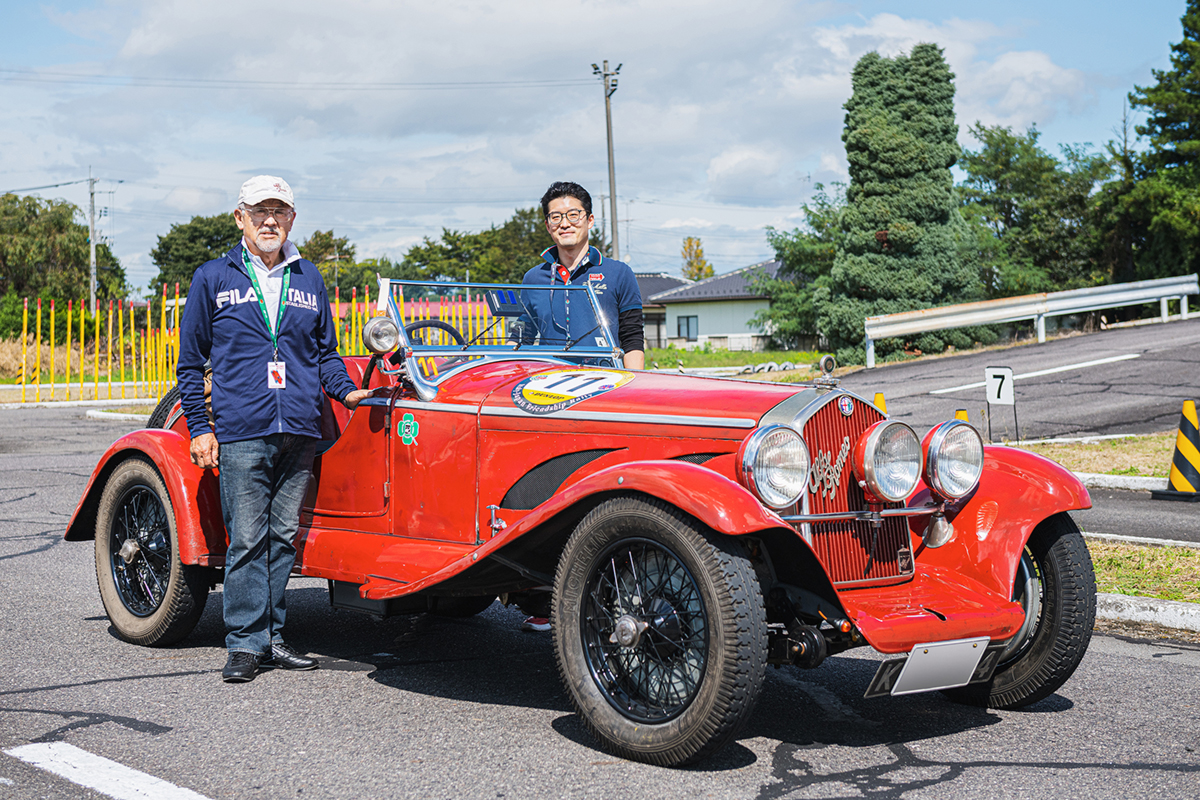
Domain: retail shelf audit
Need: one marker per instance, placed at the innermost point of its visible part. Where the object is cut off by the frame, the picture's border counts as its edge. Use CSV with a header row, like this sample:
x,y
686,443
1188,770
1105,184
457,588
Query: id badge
x,y
276,375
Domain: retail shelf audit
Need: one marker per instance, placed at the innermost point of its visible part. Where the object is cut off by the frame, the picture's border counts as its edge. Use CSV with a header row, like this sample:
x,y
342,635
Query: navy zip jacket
x,y
222,321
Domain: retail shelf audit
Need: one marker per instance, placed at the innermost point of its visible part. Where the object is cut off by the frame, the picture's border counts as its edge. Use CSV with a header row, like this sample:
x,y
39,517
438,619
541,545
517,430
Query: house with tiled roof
x,y
654,315
717,310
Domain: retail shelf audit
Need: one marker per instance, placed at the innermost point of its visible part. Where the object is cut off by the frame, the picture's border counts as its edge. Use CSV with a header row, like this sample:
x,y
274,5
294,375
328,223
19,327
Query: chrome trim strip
x,y
607,416
171,420
865,516
451,408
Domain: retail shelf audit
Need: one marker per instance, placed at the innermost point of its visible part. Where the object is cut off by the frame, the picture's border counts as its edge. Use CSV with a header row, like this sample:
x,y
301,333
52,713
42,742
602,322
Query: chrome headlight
x,y
953,460
380,335
774,464
887,460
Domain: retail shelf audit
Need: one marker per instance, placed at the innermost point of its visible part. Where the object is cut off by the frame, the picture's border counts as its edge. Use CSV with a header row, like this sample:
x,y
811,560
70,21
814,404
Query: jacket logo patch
x,y
595,276
233,297
299,299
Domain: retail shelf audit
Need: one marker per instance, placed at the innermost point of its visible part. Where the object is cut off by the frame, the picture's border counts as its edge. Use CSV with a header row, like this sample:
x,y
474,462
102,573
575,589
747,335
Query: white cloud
x,y
735,107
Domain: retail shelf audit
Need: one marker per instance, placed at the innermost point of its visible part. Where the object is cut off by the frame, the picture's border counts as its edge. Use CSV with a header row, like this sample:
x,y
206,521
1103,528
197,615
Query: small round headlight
x,y
887,458
953,460
774,465
380,335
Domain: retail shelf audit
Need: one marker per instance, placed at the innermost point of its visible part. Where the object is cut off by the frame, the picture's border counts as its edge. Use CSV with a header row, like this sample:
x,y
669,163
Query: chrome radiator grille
x,y
853,552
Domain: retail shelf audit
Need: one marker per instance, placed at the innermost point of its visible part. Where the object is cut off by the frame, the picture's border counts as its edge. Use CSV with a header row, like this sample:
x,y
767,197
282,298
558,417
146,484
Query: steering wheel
x,y
411,329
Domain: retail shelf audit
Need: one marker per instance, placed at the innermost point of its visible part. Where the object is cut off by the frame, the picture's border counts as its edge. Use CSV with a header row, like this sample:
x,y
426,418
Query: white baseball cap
x,y
265,187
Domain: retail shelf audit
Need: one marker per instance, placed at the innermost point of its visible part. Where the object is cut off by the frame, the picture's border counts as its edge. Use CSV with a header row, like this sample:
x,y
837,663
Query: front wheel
x,y
1057,587
659,632
151,597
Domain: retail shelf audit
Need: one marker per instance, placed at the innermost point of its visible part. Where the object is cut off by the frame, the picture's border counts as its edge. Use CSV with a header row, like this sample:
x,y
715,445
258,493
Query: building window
x,y
689,327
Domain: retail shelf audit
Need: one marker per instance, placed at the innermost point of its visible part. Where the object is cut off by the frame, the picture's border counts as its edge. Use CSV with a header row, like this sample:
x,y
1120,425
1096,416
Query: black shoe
x,y
284,657
240,667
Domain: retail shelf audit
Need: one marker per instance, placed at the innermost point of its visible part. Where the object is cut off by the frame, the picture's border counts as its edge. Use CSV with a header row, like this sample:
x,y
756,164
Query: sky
x,y
393,120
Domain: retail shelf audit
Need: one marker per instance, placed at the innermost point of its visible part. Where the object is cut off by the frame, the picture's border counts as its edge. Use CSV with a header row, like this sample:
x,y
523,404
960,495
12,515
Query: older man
x,y
260,313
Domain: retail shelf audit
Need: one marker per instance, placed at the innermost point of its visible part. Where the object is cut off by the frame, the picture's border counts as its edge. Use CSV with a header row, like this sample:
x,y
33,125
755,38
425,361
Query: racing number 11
x,y
583,380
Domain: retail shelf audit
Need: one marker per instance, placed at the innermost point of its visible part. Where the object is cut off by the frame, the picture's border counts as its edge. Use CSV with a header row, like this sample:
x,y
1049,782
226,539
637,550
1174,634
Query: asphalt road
x,y
425,707
1143,393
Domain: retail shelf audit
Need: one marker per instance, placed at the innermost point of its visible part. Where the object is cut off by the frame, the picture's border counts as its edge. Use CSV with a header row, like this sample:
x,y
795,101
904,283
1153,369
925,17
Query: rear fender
x,y
193,491
1017,491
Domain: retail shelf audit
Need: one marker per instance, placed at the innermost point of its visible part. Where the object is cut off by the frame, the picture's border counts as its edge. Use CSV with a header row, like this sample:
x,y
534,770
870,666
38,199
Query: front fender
x,y
1017,491
721,504
194,493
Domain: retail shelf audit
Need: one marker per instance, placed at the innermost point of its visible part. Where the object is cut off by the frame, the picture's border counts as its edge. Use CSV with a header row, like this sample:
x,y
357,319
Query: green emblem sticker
x,y
407,429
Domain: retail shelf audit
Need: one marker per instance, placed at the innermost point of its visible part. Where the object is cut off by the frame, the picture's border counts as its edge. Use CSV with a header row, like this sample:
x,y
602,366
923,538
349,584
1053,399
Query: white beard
x,y
269,246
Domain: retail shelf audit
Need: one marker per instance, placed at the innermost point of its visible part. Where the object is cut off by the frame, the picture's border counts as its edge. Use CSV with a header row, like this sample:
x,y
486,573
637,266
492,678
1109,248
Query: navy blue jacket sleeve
x,y
334,377
195,344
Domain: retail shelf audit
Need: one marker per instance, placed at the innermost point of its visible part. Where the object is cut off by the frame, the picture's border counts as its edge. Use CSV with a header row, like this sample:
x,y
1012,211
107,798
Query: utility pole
x,y
92,234
610,86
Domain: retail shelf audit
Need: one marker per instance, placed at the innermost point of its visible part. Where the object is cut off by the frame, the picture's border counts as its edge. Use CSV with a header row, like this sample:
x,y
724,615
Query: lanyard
x,y
262,304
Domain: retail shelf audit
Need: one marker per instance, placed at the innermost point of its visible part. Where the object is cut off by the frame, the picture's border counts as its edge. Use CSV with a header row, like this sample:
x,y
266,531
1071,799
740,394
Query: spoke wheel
x,y
659,631
1057,587
645,631
150,596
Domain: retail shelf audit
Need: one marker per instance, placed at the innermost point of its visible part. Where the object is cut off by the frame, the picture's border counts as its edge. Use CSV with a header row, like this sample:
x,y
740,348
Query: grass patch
x,y
670,357
1164,573
1148,456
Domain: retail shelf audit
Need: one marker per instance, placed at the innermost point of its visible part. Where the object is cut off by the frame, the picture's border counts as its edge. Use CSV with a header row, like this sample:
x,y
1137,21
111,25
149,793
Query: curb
x,y
1129,483
97,413
1167,613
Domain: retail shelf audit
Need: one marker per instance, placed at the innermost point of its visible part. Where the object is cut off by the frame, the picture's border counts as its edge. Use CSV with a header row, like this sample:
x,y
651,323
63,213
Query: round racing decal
x,y
562,388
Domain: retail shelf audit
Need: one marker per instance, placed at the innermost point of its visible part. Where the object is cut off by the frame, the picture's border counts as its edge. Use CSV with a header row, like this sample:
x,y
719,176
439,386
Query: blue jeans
x,y
263,482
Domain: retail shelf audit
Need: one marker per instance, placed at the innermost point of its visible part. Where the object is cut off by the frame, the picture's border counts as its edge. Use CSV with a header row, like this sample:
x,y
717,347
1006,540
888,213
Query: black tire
x,y
1041,661
162,411
460,607
151,598
688,681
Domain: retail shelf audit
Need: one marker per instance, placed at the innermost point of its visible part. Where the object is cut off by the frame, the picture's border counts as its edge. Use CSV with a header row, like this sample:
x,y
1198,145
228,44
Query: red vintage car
x,y
692,530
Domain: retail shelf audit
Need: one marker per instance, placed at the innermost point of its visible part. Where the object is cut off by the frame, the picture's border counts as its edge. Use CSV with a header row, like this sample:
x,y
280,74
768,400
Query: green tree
x,y
323,246
500,254
695,267
188,245
44,252
902,233
1038,210
807,254
1149,214
1172,105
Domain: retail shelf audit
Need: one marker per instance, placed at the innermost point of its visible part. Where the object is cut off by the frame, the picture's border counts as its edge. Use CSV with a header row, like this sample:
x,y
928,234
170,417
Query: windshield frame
x,y
574,353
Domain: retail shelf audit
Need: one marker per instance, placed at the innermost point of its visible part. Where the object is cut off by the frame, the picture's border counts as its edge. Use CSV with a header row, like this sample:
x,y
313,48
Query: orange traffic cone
x,y
1184,483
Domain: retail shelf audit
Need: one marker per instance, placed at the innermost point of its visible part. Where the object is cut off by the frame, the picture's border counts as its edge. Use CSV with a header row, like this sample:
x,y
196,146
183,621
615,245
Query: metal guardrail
x,y
1031,306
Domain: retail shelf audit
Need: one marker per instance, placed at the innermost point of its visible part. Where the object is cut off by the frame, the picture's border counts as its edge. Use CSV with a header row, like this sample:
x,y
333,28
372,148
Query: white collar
x,y
290,253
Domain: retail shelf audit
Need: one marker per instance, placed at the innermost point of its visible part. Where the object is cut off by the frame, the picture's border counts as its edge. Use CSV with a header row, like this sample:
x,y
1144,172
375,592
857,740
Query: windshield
x,y
447,325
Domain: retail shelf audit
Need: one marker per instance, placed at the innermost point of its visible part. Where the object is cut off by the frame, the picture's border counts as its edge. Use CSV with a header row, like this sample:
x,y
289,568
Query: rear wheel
x,y
162,411
659,631
1057,587
151,597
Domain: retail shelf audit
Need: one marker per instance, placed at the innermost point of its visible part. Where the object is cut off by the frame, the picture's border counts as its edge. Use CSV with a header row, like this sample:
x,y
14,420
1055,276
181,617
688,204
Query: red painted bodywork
x,y
398,518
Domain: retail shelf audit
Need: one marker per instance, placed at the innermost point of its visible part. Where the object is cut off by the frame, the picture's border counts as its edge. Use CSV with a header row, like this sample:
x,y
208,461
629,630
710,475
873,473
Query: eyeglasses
x,y
574,216
260,213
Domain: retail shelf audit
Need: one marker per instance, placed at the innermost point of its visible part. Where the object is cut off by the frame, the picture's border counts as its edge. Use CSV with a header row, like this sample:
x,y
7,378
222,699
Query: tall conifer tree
x,y
902,230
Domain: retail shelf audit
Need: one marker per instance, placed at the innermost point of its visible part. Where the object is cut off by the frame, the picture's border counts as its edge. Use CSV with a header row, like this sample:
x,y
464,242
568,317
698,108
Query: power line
x,y
47,186
140,81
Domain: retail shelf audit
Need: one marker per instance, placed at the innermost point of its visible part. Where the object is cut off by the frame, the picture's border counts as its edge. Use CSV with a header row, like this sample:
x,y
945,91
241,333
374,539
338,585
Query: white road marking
x,y
101,774
1040,372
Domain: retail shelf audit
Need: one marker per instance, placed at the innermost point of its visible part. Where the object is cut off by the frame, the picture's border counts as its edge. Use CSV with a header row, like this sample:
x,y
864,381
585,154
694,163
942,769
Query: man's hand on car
x,y
355,397
204,451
